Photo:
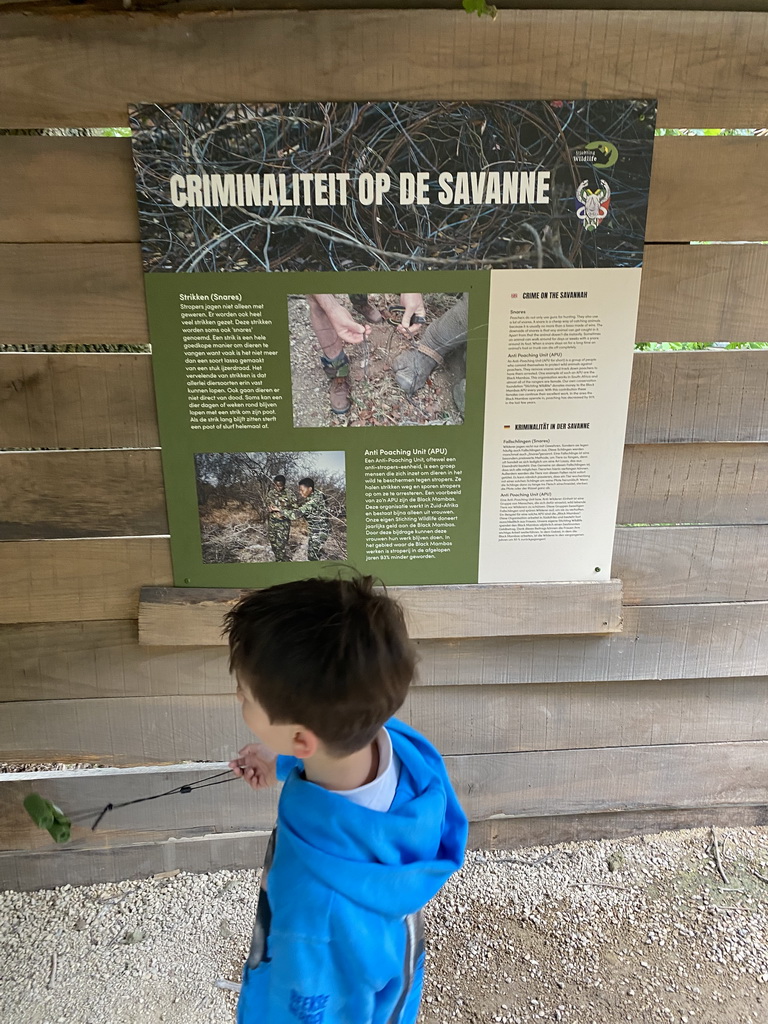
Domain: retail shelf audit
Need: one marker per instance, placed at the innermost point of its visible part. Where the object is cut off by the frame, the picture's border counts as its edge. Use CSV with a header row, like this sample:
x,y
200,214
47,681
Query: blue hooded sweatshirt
x,y
338,937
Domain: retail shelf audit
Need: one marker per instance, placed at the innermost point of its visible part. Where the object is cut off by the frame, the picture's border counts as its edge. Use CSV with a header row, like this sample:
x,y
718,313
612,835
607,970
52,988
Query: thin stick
x,y
54,962
602,885
718,862
761,877
228,986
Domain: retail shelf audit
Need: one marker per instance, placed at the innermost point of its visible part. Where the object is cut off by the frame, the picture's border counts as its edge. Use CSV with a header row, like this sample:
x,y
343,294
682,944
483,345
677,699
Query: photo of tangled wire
x,y
597,154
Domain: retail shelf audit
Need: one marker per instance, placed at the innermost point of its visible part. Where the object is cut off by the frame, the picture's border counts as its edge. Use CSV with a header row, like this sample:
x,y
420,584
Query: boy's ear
x,y
305,743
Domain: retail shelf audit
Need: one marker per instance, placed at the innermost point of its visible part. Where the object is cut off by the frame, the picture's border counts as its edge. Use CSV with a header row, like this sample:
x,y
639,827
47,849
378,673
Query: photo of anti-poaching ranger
x,y
280,502
272,506
314,510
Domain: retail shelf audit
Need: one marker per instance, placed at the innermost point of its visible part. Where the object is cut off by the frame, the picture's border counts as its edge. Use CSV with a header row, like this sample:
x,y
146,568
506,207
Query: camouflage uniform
x,y
315,511
279,523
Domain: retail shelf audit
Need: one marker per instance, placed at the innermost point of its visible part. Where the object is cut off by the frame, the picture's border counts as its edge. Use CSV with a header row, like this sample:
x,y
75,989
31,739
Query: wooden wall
x,y
546,737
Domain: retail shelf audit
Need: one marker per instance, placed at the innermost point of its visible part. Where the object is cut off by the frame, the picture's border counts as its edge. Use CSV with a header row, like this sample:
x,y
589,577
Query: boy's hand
x,y
257,765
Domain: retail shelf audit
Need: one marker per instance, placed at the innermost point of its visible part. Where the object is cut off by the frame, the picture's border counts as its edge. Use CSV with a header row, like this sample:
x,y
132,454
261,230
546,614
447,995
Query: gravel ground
x,y
622,932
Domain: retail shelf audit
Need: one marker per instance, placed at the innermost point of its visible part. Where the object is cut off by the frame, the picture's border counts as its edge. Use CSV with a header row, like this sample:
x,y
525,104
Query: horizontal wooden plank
x,y
64,865
696,220
47,581
689,564
657,565
92,6
703,294
74,293
127,731
694,195
519,785
694,483
44,661
53,170
45,869
76,400
698,396
118,493
64,70
51,660
182,615
457,719
82,795
620,778
80,400
658,642
517,833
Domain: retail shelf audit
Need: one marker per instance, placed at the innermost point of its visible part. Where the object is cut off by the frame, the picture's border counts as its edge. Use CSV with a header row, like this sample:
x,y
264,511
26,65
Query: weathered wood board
x,y
185,6
656,565
658,642
457,719
694,483
46,661
101,579
699,396
702,294
690,564
516,833
698,223
718,75
194,616
79,400
44,581
520,785
83,794
102,659
44,869
74,293
694,195
120,492
76,400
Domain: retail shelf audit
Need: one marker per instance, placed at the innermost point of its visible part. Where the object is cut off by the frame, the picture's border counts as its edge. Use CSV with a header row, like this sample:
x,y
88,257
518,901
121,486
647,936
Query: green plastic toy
x,y
48,816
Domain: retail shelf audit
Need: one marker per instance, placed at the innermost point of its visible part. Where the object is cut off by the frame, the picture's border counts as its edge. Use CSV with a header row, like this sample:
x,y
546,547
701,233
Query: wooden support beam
x,y
694,195
44,869
76,400
465,719
61,69
46,661
694,484
492,786
120,493
79,400
687,397
187,615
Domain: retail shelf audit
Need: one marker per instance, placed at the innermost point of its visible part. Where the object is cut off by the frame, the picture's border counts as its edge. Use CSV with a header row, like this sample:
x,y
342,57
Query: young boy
x,y
368,826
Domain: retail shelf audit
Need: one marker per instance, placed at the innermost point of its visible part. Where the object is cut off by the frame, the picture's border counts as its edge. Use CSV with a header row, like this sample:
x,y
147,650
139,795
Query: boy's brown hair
x,y
332,655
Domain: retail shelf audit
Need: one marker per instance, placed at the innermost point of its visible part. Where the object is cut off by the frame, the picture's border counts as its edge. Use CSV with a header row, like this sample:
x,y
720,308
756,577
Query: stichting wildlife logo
x,y
598,154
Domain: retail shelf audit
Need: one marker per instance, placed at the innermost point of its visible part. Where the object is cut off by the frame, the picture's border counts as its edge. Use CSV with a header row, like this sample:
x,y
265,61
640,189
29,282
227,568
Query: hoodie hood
x,y
397,859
